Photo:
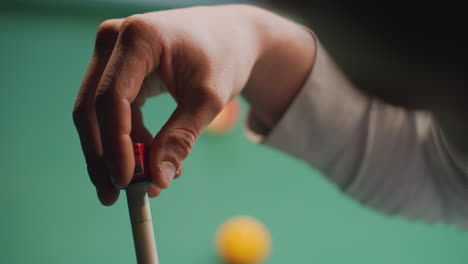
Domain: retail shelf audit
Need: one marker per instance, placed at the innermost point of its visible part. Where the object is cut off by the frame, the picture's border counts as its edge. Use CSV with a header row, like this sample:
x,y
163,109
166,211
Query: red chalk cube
x,y
139,175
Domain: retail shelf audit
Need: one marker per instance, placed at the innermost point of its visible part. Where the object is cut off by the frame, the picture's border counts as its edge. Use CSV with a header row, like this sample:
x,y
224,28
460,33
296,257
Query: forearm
x,y
287,56
387,157
384,156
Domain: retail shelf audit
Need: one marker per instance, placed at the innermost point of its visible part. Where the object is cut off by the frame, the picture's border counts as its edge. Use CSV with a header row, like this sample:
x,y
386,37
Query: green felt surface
x,y
50,214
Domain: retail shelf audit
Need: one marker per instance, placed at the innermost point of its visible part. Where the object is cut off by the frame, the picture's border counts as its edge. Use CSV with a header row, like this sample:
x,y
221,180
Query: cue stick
x,y
140,213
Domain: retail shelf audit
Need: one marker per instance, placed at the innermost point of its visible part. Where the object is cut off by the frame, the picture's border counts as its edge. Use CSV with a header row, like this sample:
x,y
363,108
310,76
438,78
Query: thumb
x,y
175,140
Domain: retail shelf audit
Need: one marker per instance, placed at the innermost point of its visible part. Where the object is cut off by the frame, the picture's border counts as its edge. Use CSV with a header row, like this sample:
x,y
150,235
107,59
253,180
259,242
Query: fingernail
x,y
112,172
112,180
168,170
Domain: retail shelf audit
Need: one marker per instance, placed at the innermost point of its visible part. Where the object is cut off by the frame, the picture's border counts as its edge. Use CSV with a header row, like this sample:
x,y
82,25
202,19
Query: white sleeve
x,y
385,157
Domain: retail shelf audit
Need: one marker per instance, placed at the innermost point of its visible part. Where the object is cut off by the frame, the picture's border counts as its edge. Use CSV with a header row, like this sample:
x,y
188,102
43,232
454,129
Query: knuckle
x,y
106,35
80,112
134,27
208,96
105,90
181,141
104,98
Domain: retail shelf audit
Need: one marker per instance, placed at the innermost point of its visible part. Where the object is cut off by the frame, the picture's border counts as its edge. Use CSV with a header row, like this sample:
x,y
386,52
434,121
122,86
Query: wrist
x,y
286,56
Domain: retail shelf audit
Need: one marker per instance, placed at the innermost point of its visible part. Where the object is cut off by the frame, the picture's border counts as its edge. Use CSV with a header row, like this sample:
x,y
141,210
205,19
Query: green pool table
x,y
50,213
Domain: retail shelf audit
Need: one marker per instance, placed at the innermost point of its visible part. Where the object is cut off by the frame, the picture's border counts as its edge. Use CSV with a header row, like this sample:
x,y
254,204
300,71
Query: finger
x,y
84,115
175,140
131,60
106,192
152,190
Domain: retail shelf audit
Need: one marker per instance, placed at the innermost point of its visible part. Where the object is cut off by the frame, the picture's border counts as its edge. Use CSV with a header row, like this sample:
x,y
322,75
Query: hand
x,y
204,57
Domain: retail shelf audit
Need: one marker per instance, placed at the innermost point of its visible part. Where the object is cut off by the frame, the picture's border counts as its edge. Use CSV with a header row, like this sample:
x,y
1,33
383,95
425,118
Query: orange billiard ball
x,y
226,119
243,240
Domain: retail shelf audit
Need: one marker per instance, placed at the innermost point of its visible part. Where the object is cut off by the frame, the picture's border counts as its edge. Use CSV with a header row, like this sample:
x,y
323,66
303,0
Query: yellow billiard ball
x,y
243,240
